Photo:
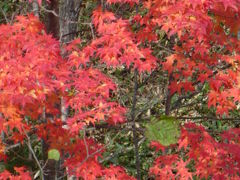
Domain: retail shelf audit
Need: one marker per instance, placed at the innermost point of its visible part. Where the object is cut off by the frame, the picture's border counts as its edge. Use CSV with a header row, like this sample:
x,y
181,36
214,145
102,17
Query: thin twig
x,y
208,118
170,51
12,147
168,97
34,155
99,150
85,142
49,11
5,16
92,31
178,103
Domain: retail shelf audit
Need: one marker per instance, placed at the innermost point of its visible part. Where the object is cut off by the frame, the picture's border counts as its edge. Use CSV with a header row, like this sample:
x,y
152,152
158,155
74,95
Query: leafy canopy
x,y
34,76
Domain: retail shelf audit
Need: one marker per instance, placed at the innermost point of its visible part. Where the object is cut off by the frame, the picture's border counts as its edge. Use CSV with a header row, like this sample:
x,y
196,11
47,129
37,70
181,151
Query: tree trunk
x,y
52,21
68,17
35,8
68,13
62,27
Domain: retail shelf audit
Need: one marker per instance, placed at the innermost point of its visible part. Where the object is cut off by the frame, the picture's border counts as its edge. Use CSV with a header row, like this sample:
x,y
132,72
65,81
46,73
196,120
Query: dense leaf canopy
x,y
38,73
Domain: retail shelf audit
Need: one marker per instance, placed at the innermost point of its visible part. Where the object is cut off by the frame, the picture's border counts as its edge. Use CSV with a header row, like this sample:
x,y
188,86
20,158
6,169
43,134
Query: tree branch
x,y
4,15
133,119
207,118
34,155
168,97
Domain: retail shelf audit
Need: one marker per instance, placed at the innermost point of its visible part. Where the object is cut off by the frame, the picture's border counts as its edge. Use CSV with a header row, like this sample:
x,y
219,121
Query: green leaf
x,y
165,130
54,154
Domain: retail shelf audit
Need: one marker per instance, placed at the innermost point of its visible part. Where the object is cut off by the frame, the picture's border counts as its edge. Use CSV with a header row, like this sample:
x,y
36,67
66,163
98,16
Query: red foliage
x,y
29,60
198,27
199,33
21,174
33,77
117,45
115,172
218,159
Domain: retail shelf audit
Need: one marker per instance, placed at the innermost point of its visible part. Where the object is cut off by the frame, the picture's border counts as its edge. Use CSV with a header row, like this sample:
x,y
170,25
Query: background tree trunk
x,y
68,13
62,28
35,8
52,21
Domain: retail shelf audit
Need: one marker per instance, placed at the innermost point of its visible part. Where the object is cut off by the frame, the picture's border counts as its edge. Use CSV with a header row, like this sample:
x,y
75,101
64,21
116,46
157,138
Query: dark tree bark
x,y
68,17
52,21
68,13
61,27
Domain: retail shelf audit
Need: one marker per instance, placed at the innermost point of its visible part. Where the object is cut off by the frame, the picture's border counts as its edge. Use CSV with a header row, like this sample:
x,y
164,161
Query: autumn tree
x,y
150,68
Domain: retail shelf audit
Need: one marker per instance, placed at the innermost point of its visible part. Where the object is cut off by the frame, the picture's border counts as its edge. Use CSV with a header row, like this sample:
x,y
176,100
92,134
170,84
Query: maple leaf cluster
x,y
116,44
210,158
33,77
29,59
198,27
21,174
